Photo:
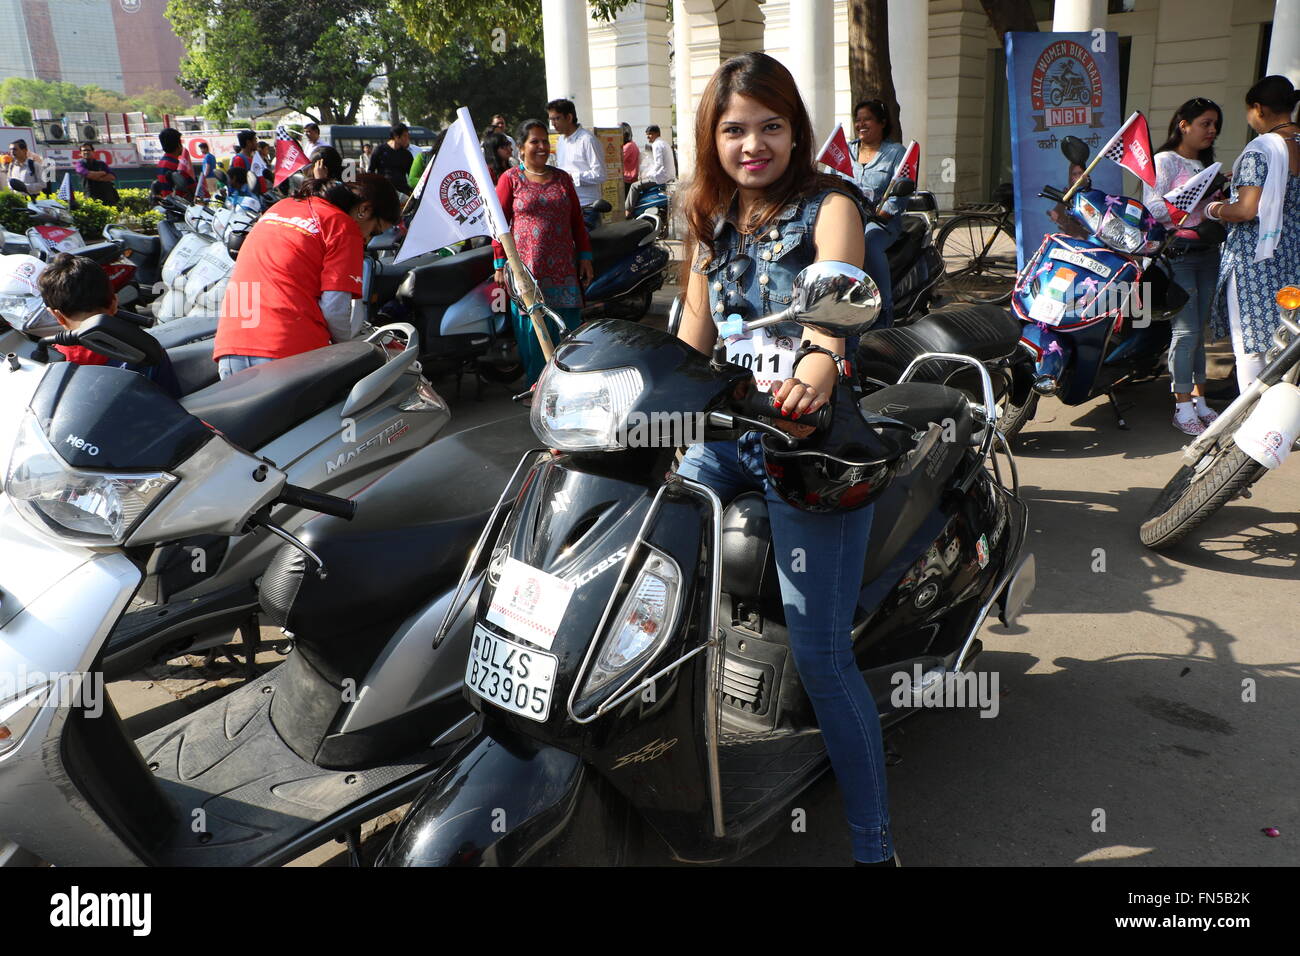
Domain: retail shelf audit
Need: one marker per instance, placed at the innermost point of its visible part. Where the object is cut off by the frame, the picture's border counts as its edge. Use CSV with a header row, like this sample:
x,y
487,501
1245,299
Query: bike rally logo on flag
x,y
461,201
289,157
1130,147
1181,200
1065,87
459,197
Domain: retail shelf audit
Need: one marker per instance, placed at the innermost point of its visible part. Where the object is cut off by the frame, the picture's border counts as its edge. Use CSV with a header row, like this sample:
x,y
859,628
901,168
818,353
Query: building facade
x,y
948,66
123,45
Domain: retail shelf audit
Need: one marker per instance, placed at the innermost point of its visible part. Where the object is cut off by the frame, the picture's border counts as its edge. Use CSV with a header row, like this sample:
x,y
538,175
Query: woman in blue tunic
x,y
1262,253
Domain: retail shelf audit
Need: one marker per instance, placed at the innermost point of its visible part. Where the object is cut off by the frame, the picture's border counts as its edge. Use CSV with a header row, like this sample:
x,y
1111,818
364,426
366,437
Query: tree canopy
x,y
495,25
319,56
59,98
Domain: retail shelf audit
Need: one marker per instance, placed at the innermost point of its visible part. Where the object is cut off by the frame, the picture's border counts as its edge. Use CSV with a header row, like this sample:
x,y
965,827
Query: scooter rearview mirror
x,y
904,187
835,298
1075,150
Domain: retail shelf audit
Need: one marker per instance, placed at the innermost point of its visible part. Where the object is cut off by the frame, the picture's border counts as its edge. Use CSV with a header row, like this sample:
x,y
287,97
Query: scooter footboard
x,y
494,804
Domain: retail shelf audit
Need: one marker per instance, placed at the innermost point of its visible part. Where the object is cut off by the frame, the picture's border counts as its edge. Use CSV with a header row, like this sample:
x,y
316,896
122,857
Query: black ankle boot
x,y
891,862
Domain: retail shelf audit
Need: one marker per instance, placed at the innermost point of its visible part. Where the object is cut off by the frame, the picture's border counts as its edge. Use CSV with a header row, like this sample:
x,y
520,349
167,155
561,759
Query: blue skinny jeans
x,y
819,561
1197,272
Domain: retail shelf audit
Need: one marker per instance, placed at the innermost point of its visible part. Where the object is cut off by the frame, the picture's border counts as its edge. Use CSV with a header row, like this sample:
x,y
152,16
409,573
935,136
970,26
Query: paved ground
x,y
1121,689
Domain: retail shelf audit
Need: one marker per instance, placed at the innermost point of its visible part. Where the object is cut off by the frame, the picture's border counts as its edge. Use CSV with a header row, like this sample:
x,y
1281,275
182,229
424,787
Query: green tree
x,y
17,116
486,82
43,95
498,26
319,56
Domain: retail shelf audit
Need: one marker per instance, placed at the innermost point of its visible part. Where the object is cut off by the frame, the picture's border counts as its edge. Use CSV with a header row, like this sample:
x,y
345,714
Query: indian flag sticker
x,y
982,551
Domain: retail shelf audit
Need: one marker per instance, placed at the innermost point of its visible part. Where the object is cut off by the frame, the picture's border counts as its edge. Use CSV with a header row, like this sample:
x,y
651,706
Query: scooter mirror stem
x,y
308,552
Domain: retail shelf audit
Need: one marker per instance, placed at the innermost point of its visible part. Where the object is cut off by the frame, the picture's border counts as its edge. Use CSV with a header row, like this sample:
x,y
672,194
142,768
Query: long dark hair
x,y
1274,93
368,187
491,143
764,79
1189,113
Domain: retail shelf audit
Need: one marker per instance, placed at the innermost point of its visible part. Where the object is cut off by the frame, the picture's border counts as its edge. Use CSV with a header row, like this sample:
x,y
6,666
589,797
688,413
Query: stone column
x,y
1078,16
909,54
812,41
1284,47
629,68
564,39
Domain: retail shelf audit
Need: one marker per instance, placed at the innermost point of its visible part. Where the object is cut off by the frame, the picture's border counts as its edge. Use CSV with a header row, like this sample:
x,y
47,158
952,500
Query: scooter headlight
x,y
86,507
1120,234
643,623
584,411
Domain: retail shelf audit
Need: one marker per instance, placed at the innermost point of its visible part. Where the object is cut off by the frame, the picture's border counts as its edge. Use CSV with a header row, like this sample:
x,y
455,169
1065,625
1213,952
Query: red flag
x,y
835,153
909,167
289,157
1131,148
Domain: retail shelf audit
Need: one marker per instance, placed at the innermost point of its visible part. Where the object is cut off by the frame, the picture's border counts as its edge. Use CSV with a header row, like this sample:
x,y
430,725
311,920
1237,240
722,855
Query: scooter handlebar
x,y
760,405
316,501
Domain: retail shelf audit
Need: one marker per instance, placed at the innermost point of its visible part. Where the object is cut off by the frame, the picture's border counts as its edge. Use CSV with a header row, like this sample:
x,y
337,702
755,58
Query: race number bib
x,y
768,353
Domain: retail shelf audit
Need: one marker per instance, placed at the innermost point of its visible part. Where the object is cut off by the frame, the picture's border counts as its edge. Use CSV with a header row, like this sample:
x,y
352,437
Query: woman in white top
x,y
1188,150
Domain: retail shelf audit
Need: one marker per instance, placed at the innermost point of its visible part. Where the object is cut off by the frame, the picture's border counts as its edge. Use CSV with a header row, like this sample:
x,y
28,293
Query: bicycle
x,y
978,247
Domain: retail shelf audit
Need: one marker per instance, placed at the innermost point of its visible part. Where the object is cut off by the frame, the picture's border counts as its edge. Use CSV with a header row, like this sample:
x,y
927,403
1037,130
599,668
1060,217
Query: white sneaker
x,y
1192,427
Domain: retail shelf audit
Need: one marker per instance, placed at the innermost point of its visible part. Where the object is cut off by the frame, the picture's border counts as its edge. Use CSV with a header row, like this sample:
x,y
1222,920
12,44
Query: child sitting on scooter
x,y
75,290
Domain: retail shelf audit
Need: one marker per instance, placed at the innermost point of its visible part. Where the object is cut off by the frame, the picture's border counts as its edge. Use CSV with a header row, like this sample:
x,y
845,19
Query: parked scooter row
x,y
618,632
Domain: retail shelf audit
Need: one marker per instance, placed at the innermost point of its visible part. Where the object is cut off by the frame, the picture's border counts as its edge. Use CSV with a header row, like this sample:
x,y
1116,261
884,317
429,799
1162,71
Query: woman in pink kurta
x,y
545,218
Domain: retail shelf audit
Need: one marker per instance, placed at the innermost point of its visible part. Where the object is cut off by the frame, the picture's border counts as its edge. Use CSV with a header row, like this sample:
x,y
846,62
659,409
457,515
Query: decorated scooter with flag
x,y
1089,293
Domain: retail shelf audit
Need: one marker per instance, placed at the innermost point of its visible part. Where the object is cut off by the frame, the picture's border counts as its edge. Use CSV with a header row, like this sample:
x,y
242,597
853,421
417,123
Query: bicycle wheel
x,y
979,258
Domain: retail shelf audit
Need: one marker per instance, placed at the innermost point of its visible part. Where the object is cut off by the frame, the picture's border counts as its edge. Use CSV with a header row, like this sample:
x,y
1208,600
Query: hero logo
x,y
390,432
81,443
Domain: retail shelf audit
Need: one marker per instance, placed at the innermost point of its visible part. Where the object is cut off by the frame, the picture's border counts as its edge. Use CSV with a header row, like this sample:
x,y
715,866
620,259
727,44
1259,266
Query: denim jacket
x,y
779,251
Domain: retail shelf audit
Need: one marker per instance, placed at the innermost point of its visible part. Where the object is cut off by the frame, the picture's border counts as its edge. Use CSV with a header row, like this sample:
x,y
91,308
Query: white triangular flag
x,y
459,201
1181,200
65,188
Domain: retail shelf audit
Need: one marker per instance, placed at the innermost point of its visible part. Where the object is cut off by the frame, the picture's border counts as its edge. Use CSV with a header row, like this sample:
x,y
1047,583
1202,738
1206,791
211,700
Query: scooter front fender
x,y
1051,353
498,802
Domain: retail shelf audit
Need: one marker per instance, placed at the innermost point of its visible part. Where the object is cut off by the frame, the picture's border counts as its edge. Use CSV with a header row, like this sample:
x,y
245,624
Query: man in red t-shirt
x,y
298,271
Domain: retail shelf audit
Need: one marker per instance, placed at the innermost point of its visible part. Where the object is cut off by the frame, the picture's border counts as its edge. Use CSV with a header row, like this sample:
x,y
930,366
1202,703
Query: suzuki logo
x,y
561,501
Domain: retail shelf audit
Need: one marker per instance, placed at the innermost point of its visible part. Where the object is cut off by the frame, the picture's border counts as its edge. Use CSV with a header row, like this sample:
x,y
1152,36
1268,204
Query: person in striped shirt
x,y
173,161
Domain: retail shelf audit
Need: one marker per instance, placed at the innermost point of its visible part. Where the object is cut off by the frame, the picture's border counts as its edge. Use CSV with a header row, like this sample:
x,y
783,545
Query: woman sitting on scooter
x,y
298,271
758,212
874,160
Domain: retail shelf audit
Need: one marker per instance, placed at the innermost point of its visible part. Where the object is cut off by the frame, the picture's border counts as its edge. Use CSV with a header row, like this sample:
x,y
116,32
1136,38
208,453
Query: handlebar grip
x,y
758,404
1052,193
316,501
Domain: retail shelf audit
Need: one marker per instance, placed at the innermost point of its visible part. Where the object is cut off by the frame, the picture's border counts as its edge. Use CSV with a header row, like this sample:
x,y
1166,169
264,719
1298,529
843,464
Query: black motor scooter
x,y
630,657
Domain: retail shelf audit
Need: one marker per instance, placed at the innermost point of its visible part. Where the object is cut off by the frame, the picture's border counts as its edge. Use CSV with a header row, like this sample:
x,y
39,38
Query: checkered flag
x,y
65,191
1130,147
289,157
1181,200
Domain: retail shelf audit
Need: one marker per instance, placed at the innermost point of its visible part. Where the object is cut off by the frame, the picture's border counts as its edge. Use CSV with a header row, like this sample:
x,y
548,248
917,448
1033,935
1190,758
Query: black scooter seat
x,y
263,402
413,532
446,280
150,247
616,240
984,332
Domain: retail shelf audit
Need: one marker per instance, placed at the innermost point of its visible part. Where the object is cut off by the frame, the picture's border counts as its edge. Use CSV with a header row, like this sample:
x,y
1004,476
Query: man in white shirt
x,y
27,172
312,132
579,155
660,165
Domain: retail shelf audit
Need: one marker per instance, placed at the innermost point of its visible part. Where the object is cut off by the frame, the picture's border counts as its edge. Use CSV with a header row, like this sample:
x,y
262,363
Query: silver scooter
x,y
333,419
359,717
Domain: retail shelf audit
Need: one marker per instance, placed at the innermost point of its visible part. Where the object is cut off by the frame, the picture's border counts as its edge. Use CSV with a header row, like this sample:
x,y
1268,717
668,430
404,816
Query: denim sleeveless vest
x,y
778,252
